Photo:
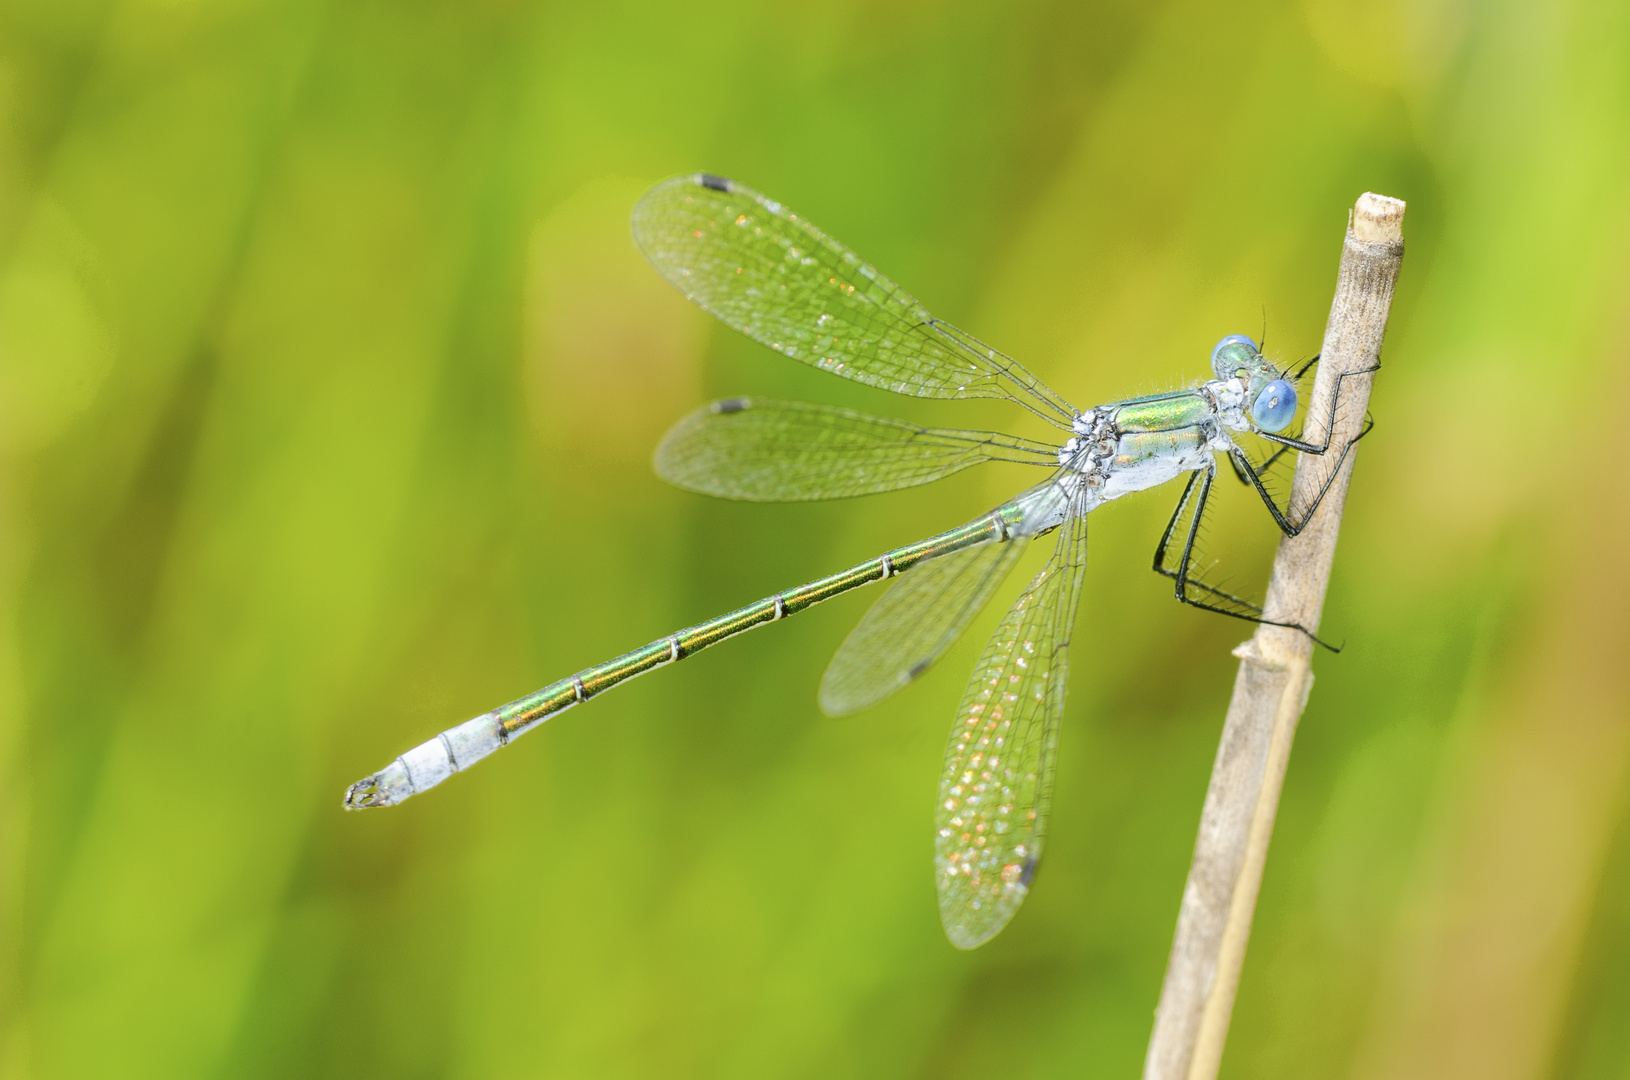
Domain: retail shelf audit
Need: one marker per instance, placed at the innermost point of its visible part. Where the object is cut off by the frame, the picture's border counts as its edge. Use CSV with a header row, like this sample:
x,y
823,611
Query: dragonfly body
x,y
1118,449
773,276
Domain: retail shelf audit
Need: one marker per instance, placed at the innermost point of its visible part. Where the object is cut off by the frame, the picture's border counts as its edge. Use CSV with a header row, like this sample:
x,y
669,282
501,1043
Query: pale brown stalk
x,y
1274,678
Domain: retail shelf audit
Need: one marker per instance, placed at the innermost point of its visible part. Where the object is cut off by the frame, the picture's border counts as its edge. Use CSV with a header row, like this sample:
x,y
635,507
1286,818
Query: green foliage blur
x,y
329,377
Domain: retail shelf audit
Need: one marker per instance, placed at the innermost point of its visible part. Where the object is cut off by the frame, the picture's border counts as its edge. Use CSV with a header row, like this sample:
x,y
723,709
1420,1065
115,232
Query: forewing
x,y
921,615
778,279
782,451
997,783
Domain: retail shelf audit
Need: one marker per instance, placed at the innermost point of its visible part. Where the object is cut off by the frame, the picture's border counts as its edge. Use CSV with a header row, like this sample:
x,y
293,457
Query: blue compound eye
x,y
1230,354
1275,407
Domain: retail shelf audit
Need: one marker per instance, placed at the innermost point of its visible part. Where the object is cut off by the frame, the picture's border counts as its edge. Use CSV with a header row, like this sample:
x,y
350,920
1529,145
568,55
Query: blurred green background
x,y
328,381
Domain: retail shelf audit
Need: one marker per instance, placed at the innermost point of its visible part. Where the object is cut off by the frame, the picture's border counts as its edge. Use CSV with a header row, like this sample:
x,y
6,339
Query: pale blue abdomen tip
x,y
428,764
1275,407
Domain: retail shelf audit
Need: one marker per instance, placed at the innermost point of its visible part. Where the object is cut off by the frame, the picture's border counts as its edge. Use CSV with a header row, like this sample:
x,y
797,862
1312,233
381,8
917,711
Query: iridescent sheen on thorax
x,y
1134,445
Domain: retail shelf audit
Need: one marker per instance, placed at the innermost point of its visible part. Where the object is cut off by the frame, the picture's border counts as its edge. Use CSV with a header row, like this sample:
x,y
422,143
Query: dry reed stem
x,y
1274,678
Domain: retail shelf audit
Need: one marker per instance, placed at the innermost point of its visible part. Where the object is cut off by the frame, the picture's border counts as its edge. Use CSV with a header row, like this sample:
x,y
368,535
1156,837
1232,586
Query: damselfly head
x,y
1237,357
1233,354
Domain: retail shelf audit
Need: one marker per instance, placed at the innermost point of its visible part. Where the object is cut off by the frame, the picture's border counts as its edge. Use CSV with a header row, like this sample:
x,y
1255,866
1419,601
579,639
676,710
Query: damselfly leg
x,y
1183,531
1292,520
1181,536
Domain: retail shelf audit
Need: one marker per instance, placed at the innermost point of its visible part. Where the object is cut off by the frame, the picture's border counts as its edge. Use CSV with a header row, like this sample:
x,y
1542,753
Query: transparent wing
x,y
918,618
778,279
997,783
782,451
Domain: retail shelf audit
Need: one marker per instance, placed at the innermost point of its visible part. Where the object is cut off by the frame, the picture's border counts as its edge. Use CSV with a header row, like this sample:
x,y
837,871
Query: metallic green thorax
x,y
1162,412
1161,427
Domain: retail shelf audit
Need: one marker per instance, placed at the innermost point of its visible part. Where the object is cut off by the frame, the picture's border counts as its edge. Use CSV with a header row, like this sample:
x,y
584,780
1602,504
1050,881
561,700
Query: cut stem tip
x,y
1378,219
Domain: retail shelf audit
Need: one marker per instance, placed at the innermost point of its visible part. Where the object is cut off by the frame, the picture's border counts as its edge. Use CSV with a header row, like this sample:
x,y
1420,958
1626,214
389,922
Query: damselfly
x,y
770,274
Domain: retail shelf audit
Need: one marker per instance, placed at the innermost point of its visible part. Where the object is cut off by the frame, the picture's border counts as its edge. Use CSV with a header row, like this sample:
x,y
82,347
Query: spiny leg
x,y
1253,474
1330,421
1243,467
1189,589
1309,362
1283,518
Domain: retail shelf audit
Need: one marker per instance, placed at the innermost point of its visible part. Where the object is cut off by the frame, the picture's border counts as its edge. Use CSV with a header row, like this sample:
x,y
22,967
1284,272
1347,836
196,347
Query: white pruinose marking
x,y
427,764
447,748
577,687
780,607
888,567
1228,402
391,785
673,647
1145,462
473,740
